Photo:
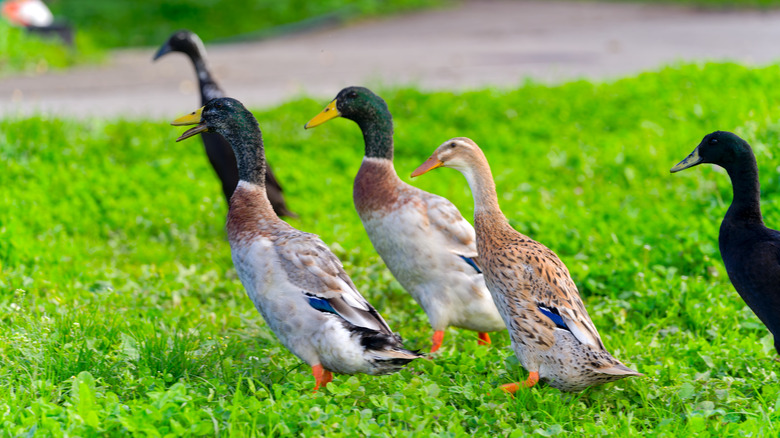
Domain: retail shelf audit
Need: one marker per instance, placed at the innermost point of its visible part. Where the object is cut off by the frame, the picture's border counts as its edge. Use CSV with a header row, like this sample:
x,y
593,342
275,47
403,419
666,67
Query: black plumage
x,y
218,150
750,250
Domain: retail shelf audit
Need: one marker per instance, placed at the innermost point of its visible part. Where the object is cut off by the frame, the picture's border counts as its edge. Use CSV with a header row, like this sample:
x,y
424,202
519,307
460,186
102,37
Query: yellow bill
x,y
330,112
427,166
689,161
193,118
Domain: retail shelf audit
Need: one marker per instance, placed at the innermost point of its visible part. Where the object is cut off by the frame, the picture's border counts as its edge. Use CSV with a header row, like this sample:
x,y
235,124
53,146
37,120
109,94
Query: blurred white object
x,y
27,13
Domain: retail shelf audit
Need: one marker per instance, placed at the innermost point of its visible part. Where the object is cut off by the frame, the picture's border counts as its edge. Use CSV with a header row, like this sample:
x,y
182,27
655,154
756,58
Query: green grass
x,y
120,313
121,23
104,25
28,53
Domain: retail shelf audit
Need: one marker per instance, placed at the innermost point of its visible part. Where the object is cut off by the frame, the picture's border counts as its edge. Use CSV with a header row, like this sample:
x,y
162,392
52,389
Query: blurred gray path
x,y
475,44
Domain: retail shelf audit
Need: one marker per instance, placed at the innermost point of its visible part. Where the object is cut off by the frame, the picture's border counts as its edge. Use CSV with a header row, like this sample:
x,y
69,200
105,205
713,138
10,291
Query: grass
x,y
28,53
120,313
125,23
122,23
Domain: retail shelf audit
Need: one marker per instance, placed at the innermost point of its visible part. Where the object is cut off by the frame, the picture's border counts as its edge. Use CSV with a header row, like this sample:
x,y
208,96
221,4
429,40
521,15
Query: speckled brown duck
x,y
551,332
293,279
422,238
218,151
750,250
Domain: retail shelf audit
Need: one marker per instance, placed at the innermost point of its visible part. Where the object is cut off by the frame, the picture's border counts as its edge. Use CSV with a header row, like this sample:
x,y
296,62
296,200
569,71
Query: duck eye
x,y
713,140
352,94
452,145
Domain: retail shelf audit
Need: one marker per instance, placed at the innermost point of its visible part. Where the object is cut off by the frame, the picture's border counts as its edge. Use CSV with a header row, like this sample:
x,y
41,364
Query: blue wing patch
x,y
321,304
554,316
471,263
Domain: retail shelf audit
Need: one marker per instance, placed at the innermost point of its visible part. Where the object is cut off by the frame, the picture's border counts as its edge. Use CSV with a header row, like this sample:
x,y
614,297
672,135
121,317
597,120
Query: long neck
x,y
208,87
250,155
483,188
746,204
378,133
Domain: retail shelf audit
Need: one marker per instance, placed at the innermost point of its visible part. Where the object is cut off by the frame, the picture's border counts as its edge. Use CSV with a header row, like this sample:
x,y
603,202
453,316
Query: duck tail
x,y
386,352
620,370
392,359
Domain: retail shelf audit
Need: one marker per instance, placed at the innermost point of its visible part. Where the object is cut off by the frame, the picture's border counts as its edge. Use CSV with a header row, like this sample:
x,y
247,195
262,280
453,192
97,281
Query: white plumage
x,y
27,13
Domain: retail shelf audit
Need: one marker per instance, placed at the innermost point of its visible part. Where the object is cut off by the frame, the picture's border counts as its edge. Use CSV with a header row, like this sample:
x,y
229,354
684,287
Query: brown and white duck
x,y
293,279
422,238
550,330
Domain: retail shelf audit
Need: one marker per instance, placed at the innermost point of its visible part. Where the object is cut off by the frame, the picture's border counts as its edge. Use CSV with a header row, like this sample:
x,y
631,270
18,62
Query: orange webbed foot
x,y
512,388
484,339
438,338
321,376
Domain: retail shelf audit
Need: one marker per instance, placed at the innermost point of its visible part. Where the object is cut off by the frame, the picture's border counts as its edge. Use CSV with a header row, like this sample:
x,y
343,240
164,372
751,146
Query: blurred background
x,y
269,52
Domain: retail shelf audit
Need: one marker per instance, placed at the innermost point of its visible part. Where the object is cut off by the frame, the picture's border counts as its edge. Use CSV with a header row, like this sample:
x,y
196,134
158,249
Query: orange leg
x,y
512,388
438,338
321,376
484,339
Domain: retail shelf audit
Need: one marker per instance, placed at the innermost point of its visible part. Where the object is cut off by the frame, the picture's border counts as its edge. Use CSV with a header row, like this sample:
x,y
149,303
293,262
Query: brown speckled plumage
x,y
531,286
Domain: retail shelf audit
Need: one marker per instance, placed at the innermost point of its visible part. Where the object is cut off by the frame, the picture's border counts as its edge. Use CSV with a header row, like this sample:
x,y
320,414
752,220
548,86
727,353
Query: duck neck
x,y
483,188
377,133
250,154
208,87
746,204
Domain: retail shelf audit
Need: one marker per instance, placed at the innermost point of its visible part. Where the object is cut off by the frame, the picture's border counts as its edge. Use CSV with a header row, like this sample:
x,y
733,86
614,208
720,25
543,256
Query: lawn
x,y
105,25
122,23
122,314
21,51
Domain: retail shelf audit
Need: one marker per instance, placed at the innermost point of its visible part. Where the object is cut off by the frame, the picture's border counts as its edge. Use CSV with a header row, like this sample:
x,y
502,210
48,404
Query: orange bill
x,y
428,165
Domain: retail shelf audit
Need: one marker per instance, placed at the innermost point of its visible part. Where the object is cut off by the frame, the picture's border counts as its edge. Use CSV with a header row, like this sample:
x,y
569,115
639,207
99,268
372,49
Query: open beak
x,y
193,118
165,49
330,112
689,161
428,165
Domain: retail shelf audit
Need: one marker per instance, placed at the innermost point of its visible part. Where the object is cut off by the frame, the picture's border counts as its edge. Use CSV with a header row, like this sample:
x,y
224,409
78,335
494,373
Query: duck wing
x,y
758,280
559,300
456,231
312,267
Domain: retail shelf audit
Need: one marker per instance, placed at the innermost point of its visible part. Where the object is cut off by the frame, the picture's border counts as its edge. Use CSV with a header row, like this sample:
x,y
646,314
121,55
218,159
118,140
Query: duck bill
x,y
193,118
330,112
689,161
427,166
164,50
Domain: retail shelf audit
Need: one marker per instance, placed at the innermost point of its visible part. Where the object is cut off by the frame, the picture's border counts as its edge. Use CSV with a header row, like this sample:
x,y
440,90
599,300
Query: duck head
x,y
225,116
229,118
370,113
721,148
354,103
182,41
458,153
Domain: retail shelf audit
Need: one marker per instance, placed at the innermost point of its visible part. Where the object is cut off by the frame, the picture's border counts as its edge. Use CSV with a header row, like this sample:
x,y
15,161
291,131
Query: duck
x,y
750,251
218,151
422,238
550,330
36,18
27,13
296,283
